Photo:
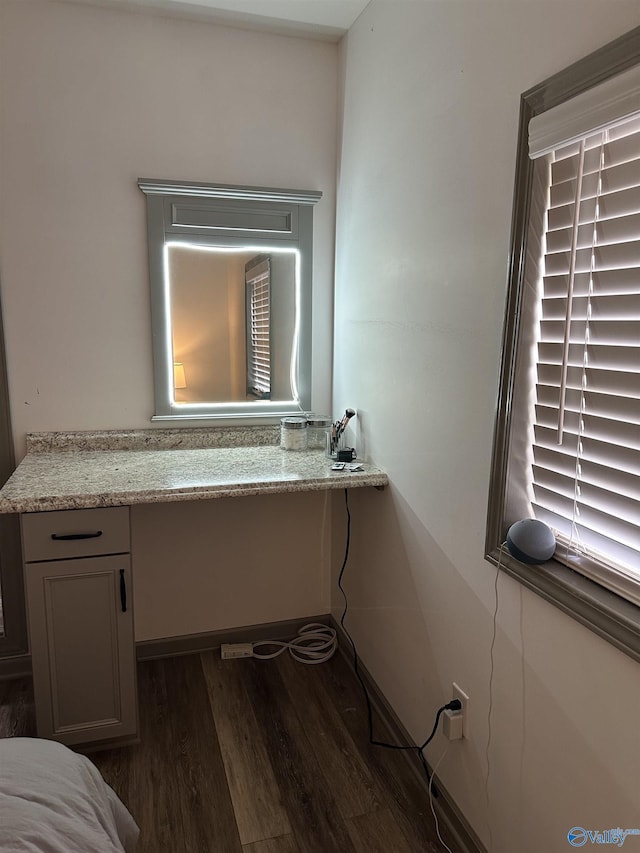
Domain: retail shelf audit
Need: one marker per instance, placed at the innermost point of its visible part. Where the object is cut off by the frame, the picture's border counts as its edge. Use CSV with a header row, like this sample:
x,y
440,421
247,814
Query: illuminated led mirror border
x,y
160,196
267,405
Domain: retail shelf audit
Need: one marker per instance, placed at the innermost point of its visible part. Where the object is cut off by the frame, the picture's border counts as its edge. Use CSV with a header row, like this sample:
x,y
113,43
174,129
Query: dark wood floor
x,y
252,756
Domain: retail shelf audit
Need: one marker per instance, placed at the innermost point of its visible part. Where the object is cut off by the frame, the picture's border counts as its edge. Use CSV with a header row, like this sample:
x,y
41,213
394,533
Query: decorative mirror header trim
x,y
149,186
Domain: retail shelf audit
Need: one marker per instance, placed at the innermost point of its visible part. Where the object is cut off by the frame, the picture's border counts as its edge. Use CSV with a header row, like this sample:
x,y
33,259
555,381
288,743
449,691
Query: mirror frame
x,y
260,218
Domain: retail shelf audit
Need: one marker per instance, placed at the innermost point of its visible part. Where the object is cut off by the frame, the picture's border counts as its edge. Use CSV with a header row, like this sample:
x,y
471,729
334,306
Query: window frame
x,y
611,617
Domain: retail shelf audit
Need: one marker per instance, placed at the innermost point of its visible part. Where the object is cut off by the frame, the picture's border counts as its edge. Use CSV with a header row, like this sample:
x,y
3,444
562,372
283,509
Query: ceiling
x,y
328,19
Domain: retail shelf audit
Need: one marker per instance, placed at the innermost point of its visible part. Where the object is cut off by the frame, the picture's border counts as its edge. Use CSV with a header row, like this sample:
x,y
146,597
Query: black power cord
x,y
454,705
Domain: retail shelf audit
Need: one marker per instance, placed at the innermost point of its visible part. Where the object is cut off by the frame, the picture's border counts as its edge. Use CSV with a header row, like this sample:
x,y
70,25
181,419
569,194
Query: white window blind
x,y
258,284
586,422
593,110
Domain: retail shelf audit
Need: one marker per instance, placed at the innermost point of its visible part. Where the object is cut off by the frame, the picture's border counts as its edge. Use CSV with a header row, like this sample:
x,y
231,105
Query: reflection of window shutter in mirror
x,y
586,466
258,287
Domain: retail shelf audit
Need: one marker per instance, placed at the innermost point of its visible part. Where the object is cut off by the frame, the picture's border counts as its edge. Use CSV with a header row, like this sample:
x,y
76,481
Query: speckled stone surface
x,y
85,478
153,439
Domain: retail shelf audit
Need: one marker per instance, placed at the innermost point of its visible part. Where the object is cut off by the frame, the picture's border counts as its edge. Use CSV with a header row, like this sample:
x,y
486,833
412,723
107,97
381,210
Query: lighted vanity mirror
x,y
230,275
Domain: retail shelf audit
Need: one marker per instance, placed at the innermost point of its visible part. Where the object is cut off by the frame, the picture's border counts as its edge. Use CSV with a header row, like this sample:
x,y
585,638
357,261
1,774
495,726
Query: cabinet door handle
x,y
68,537
123,591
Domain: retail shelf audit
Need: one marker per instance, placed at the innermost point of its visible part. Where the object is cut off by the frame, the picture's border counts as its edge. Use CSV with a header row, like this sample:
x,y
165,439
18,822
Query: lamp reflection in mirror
x,y
179,378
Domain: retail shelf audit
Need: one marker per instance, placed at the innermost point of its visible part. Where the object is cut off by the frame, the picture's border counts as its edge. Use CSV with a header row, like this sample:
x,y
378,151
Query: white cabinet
x,y
79,604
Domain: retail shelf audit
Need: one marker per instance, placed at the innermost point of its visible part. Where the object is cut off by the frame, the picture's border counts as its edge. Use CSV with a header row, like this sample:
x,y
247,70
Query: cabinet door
x,y
82,648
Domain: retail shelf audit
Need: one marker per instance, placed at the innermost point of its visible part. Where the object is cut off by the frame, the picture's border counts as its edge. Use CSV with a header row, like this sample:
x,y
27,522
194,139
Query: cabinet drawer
x,y
75,533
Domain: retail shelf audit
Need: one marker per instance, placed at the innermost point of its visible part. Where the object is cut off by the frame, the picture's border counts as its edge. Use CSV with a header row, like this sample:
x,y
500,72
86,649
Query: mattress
x,y
53,800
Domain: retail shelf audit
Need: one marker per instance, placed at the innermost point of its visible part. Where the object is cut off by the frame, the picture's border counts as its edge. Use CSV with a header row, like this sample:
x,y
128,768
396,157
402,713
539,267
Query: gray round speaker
x,y
531,541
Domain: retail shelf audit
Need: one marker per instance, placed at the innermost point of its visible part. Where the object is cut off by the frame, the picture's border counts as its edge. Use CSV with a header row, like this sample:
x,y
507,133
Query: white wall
x,y
431,101
91,100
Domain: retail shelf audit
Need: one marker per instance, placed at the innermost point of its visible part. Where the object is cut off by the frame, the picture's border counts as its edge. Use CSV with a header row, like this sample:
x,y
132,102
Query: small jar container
x,y
293,433
318,430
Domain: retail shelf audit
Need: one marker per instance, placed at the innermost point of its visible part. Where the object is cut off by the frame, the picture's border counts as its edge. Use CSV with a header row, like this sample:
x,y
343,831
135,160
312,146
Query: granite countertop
x,y
56,478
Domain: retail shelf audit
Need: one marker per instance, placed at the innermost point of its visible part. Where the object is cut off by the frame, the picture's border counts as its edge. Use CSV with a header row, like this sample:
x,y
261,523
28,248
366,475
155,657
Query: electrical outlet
x,y
458,693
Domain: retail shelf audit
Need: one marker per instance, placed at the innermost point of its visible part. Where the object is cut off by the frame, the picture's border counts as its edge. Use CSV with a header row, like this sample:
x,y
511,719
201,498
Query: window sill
x,y
605,613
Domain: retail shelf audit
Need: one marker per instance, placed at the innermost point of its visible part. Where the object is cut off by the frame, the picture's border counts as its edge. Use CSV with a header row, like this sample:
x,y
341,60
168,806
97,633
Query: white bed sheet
x,y
53,800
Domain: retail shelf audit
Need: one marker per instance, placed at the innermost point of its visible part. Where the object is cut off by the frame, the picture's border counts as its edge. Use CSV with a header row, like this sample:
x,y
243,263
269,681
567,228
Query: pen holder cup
x,y
332,445
338,450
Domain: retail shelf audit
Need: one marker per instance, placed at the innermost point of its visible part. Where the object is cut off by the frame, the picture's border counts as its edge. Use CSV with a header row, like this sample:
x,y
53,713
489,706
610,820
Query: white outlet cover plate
x,y
458,693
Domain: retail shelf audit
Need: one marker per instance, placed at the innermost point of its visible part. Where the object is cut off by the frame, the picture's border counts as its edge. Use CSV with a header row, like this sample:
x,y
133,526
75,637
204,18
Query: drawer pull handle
x,y
123,591
69,537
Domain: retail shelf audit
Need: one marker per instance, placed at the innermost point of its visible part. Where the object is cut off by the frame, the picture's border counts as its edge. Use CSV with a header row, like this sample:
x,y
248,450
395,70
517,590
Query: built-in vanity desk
x,y
73,491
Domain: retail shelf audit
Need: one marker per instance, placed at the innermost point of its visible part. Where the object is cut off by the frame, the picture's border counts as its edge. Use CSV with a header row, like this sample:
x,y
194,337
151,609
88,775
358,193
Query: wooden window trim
x,y
608,615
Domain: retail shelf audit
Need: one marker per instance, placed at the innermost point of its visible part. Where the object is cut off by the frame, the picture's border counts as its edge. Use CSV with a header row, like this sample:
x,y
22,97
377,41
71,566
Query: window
x,y
258,295
585,466
567,443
